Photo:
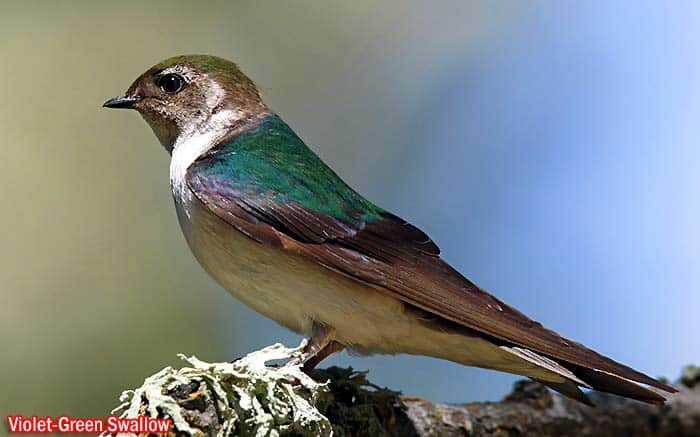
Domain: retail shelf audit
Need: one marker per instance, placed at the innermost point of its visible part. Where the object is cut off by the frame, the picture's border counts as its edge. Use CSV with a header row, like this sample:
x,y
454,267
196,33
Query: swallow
x,y
283,233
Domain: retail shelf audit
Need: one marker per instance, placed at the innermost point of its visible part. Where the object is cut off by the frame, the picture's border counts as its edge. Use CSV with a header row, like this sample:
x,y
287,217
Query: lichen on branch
x,y
247,397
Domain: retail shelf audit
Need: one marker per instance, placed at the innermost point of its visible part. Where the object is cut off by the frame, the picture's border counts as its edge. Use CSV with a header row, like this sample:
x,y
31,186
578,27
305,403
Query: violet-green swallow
x,y
277,228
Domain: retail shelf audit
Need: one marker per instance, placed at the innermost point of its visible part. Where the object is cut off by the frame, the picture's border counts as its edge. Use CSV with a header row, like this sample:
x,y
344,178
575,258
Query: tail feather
x,y
618,385
555,371
566,378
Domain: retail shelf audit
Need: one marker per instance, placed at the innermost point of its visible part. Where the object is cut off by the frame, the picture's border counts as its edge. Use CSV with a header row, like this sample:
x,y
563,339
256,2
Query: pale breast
x,y
283,286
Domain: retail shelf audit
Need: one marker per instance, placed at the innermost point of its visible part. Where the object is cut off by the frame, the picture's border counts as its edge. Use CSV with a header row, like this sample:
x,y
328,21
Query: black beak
x,y
122,101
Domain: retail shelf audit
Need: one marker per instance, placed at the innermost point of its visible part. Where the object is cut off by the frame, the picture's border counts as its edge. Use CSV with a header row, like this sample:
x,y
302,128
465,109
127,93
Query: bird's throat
x,y
195,142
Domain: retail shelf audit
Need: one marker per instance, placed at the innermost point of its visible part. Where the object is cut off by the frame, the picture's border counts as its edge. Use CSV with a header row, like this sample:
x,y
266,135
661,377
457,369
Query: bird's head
x,y
190,94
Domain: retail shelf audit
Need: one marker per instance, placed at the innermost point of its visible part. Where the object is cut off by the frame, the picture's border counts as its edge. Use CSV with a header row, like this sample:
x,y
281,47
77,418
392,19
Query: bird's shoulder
x,y
269,160
267,174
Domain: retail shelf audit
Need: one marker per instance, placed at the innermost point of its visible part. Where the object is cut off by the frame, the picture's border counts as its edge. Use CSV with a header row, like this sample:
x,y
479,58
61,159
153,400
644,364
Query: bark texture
x,y
358,408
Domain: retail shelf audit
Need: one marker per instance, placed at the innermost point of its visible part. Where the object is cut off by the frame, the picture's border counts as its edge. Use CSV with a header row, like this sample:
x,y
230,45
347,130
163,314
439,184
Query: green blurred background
x,y
509,131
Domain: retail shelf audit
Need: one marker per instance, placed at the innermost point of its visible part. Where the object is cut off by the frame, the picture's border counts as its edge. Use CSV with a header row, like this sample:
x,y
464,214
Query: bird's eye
x,y
171,83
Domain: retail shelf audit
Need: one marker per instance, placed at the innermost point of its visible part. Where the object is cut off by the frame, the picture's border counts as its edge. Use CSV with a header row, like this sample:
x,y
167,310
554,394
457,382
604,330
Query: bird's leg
x,y
321,336
330,348
319,346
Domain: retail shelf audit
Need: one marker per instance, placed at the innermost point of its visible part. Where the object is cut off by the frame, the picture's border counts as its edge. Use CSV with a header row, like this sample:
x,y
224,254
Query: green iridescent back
x,y
271,161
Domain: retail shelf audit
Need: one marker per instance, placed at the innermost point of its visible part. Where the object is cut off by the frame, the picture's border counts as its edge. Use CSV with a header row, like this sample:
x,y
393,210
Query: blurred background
x,y
550,149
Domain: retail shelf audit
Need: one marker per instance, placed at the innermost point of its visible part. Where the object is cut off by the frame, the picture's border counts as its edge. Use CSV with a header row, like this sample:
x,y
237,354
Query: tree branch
x,y
252,397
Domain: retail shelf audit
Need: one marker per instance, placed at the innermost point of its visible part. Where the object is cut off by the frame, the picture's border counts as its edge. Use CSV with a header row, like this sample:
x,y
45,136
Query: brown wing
x,y
397,258
431,284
